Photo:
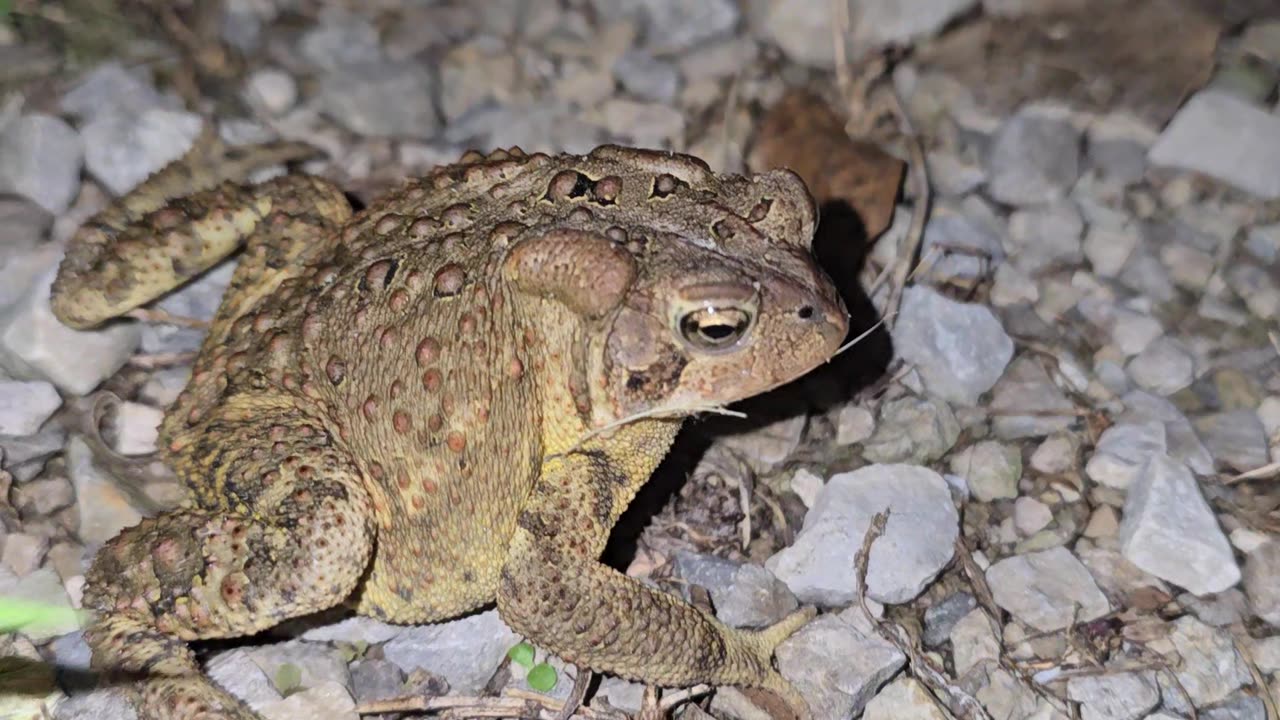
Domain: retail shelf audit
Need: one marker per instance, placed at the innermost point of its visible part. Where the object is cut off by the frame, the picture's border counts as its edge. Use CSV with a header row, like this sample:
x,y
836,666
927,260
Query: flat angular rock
x,y
1164,367
1115,696
1211,668
903,562
1027,388
838,662
1048,590
34,345
1226,138
381,99
1169,530
903,699
1180,437
237,673
991,469
465,651
1261,574
123,148
1122,450
743,595
1235,438
960,349
914,430
1034,158
24,406
40,157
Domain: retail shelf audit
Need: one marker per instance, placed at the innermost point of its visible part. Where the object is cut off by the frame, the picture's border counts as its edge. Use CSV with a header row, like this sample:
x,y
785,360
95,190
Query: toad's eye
x,y
713,328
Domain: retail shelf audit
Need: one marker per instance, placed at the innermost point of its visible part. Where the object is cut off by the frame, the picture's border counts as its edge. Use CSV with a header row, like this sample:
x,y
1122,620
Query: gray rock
x,y
621,694
963,241
838,662
1263,242
990,469
1236,439
916,430
1027,388
1034,158
42,587
1169,530
1030,516
793,27
902,563
1219,610
643,124
1183,442
1226,138
1146,275
137,428
743,595
40,159
25,406
959,349
1239,706
769,445
70,651
941,617
1256,287
903,699
1048,590
1122,451
111,89
647,77
328,700
357,628
1189,267
198,300
376,680
465,651
381,99
1012,287
854,424
32,449
121,149
339,40
546,126
272,90
1057,454
1261,568
672,26
34,345
1164,367
1108,249
1115,696
237,673
105,703
1211,668
973,642
953,176
23,552
104,508
1045,236
319,663
476,73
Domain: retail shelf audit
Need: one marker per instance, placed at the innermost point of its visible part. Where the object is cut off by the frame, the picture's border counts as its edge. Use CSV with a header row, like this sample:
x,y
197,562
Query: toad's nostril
x,y
805,312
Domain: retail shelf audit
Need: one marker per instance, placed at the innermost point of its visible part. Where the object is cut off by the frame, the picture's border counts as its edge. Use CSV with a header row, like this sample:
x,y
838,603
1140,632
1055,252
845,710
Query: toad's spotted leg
x,y
195,574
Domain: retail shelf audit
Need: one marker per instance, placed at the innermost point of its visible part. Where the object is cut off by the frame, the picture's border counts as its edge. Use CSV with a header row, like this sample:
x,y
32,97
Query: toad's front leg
x,y
556,592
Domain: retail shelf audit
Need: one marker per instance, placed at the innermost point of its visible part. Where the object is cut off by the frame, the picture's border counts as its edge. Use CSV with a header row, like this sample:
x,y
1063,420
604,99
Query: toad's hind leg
x,y
194,573
183,220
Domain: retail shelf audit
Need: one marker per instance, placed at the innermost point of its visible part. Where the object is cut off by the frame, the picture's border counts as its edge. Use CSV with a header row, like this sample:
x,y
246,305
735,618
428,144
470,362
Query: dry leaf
x,y
803,133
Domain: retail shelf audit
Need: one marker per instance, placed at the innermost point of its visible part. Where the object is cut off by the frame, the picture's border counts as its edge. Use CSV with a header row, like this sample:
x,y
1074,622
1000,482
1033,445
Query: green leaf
x,y
521,654
288,679
542,677
18,614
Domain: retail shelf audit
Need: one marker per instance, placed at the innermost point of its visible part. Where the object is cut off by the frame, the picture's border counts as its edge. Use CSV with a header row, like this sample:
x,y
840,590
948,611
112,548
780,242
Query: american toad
x,y
444,400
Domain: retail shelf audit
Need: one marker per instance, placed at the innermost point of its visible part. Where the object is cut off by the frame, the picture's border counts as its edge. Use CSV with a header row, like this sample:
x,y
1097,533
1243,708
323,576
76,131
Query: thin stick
x,y
919,175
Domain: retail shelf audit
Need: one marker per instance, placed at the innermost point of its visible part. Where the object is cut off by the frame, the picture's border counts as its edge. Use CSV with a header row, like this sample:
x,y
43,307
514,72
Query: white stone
x,y
1163,367
991,470
1048,590
837,662
465,651
137,428
904,560
35,345
973,642
1211,668
1169,530
854,424
1261,581
1108,249
1115,696
806,485
25,406
1030,516
1122,450
1226,138
328,700
903,699
1057,454
40,158
960,349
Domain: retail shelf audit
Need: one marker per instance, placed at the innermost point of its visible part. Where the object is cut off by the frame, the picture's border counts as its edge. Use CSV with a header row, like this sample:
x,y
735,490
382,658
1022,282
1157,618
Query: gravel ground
x,y
1072,415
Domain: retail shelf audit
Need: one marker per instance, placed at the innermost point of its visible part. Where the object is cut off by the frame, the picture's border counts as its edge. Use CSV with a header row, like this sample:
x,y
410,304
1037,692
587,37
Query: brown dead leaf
x,y
803,133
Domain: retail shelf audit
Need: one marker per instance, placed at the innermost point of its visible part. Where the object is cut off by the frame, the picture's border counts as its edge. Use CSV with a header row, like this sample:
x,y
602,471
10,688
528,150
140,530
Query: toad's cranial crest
x,y
445,400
